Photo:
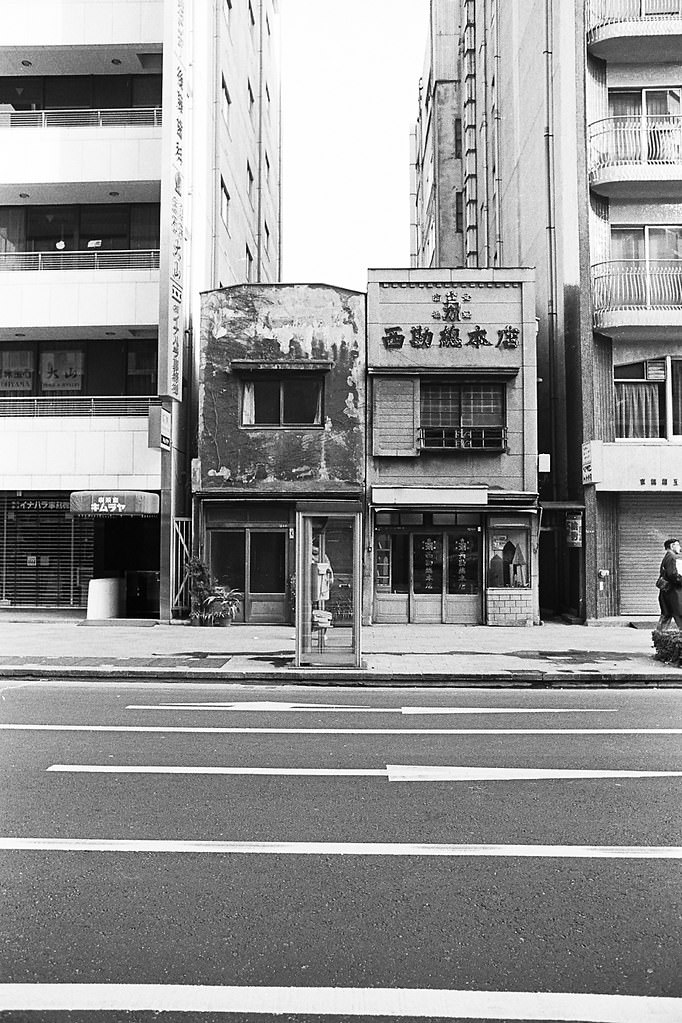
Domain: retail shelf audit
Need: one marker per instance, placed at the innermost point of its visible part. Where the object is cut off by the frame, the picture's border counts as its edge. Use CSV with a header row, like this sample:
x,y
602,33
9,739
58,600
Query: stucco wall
x,y
290,324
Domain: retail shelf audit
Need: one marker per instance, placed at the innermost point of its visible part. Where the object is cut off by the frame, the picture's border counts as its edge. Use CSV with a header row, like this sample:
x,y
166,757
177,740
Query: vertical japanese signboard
x,y
171,282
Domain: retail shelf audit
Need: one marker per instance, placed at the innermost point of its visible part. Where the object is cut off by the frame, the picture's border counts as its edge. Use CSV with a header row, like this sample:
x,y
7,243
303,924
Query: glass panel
x,y
325,592
639,410
227,557
301,402
464,561
266,402
17,373
630,371
48,226
12,229
665,242
267,552
109,226
147,91
677,396
508,565
61,371
111,92
427,563
383,559
142,367
22,93
145,225
482,405
440,405
72,92
627,243
625,104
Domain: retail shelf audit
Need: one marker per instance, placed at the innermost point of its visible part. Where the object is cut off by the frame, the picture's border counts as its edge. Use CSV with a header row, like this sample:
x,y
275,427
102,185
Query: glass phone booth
x,y
328,588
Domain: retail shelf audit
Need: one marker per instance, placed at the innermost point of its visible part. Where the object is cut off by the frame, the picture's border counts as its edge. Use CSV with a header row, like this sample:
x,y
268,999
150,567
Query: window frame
x,y
666,386
224,204
497,445
316,377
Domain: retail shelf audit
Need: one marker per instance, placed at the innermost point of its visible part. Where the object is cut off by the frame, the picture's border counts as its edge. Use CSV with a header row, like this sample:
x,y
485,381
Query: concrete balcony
x,y
635,465
72,291
636,157
77,444
637,298
634,31
61,156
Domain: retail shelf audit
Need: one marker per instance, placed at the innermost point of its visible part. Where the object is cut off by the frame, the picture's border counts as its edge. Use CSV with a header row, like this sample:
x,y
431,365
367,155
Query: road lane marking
x,y
132,845
219,730
416,1003
411,773
318,708
392,772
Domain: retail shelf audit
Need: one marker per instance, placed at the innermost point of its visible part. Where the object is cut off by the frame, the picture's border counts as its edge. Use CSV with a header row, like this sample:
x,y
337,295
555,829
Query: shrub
x,y
668,646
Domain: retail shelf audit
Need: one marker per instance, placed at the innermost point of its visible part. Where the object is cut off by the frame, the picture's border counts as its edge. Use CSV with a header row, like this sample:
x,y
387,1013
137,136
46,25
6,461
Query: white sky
x,y
350,77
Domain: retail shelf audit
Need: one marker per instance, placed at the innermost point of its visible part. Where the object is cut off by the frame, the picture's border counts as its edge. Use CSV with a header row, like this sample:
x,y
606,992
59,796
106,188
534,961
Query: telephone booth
x,y
328,588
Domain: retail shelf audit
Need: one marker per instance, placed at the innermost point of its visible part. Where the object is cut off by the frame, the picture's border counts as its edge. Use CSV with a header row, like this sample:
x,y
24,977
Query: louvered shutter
x,y
645,522
395,406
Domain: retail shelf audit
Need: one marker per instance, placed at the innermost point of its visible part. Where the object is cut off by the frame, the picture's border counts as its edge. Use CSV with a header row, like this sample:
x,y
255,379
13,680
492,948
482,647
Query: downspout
x,y
484,206
498,147
551,231
259,171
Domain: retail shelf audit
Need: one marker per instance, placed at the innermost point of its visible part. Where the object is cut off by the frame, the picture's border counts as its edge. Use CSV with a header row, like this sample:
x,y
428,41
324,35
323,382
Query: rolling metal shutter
x,y
46,553
644,523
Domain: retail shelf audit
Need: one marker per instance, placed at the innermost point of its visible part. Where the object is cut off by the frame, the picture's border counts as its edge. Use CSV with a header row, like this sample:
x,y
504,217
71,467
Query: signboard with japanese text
x,y
171,280
574,529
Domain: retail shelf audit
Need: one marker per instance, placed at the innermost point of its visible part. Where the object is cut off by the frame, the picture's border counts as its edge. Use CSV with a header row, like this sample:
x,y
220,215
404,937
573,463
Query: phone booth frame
x,y
328,598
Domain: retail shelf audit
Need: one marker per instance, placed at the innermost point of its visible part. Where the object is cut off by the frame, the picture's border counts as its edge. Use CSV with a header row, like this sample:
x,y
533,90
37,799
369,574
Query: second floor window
x,y
462,414
646,408
224,204
287,401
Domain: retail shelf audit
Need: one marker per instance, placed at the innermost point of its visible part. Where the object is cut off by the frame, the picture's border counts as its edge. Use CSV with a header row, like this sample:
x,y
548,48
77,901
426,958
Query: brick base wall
x,y
510,607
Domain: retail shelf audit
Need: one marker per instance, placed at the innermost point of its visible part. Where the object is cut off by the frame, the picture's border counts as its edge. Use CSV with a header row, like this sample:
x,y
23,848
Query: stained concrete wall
x,y
286,326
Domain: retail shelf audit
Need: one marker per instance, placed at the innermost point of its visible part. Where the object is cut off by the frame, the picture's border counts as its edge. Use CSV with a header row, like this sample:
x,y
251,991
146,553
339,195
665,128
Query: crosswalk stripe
x,y
269,708
417,1003
132,845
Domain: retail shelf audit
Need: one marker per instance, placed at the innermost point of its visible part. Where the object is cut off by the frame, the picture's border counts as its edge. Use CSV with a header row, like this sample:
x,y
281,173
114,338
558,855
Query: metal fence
x,y
76,406
609,12
463,438
617,141
107,118
85,259
634,284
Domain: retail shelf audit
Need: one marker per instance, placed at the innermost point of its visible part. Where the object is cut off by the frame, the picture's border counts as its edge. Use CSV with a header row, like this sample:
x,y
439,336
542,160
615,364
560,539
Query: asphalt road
x,y
333,854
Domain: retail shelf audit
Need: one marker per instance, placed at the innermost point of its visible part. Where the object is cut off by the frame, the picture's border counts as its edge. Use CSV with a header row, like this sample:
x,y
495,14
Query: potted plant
x,y
211,603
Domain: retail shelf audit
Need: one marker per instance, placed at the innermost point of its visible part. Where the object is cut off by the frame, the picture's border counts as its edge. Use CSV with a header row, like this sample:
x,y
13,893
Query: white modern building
x,y
140,165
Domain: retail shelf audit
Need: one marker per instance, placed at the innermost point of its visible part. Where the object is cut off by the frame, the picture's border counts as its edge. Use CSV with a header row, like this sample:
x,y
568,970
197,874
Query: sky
x,y
350,80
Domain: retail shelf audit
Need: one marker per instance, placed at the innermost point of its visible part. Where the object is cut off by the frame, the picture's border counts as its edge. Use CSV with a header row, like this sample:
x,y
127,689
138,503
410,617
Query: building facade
x,y
140,145
281,434
452,524
571,125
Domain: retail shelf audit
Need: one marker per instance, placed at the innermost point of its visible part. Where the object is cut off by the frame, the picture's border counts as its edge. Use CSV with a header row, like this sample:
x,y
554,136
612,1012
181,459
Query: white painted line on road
x,y
218,730
393,772
132,845
410,773
416,1003
318,708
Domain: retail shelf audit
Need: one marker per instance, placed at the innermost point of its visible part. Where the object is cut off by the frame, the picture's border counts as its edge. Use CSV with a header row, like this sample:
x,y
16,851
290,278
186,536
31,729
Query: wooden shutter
x,y
395,407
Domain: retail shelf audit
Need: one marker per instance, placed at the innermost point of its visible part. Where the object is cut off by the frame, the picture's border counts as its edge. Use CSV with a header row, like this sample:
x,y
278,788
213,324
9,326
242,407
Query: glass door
x,y
266,599
426,596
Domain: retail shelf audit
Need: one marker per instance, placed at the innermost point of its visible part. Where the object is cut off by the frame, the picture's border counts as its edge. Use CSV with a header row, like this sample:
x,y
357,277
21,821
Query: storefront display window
x,y
61,372
508,565
16,373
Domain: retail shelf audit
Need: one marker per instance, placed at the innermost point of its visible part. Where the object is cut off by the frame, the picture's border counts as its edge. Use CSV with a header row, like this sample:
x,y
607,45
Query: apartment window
x,y
267,25
646,265
224,204
252,18
121,226
266,238
249,264
458,138
227,9
249,182
67,368
459,212
267,92
292,400
252,101
226,102
460,415
267,167
649,399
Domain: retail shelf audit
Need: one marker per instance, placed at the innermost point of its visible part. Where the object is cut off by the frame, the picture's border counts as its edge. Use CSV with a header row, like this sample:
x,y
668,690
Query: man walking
x,y
670,585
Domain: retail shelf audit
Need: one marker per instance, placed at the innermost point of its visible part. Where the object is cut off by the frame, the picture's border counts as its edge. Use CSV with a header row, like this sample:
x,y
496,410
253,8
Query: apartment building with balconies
x,y
140,164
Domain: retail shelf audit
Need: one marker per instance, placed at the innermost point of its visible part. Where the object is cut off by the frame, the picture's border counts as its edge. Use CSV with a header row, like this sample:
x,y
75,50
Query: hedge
x,y
668,646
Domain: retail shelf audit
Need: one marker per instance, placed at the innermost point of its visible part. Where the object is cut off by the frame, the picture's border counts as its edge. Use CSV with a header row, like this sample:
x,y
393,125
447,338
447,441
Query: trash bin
x,y
105,598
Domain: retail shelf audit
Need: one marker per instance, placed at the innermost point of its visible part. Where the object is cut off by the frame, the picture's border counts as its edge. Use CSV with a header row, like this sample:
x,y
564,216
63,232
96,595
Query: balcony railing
x,y
76,406
86,259
613,12
463,438
107,118
635,284
618,141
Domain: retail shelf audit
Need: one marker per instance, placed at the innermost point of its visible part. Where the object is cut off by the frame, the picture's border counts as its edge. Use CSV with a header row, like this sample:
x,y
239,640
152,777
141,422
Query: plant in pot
x,y
211,604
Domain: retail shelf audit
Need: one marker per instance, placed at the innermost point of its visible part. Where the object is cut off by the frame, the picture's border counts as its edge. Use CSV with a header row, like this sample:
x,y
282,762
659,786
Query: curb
x,y
353,678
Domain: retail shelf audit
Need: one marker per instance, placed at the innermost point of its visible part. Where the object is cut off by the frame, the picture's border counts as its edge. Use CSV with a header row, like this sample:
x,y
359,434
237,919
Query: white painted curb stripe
x,y
294,772
407,773
393,772
213,730
124,845
329,1001
267,708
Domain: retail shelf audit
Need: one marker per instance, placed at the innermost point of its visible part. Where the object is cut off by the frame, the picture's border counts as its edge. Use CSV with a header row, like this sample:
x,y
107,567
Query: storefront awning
x,y
114,503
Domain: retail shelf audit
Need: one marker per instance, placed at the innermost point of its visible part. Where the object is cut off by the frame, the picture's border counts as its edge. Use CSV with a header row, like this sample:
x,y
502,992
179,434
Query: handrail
x,y
613,12
638,139
80,118
463,438
632,284
77,406
82,259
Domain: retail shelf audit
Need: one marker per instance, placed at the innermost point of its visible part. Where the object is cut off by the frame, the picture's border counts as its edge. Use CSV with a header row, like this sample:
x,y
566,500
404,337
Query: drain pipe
x,y
551,231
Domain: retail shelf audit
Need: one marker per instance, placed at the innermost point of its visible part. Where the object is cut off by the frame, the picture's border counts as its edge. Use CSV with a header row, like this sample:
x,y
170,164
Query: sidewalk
x,y
551,654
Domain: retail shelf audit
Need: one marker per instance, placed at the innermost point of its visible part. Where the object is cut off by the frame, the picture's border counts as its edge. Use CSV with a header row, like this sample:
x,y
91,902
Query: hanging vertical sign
x,y
171,278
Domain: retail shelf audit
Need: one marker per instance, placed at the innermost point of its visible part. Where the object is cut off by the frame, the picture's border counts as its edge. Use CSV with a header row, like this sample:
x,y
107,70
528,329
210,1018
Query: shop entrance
x,y
429,576
255,562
